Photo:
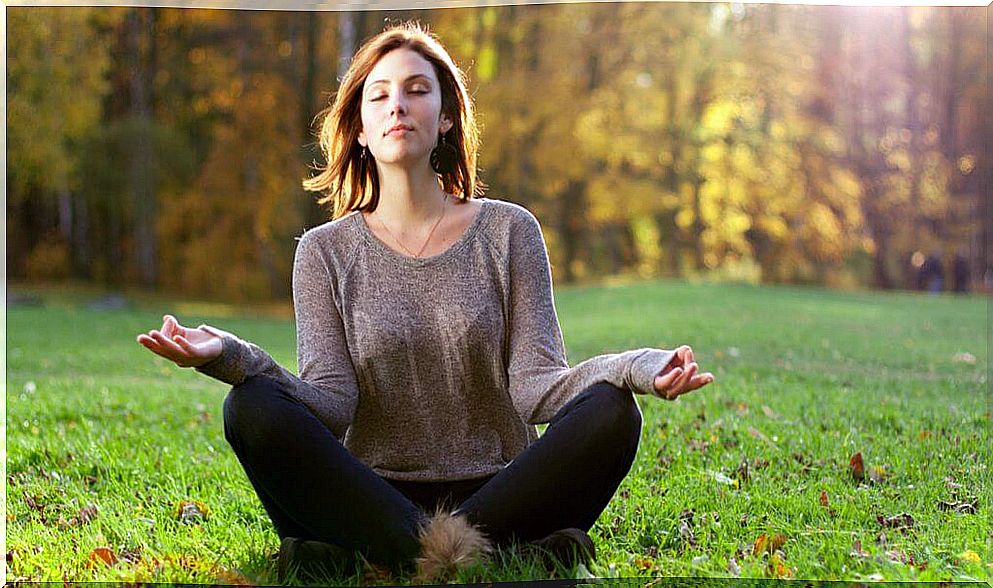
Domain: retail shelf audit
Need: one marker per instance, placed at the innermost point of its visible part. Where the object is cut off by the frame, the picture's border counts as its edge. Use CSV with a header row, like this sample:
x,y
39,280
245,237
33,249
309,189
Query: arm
x,y
541,381
327,384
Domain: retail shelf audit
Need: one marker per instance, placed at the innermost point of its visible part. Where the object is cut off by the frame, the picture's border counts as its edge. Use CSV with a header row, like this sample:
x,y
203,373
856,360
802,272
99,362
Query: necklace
x,y
444,209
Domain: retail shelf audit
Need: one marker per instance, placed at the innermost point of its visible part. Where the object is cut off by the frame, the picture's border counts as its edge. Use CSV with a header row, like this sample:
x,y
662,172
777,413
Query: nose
x,y
398,106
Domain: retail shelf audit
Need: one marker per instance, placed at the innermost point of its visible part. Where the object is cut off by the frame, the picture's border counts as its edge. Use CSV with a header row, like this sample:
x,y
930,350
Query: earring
x,y
364,149
444,157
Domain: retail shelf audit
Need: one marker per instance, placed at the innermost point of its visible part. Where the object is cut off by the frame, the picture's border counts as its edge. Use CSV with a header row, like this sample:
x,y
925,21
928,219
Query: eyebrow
x,y
410,77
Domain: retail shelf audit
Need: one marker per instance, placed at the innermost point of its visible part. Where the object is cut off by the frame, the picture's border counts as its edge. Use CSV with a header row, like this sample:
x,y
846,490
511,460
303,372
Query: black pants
x,y
313,488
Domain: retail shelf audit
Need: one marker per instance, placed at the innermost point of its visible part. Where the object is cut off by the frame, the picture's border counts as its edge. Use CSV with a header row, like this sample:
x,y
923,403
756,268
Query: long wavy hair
x,y
351,182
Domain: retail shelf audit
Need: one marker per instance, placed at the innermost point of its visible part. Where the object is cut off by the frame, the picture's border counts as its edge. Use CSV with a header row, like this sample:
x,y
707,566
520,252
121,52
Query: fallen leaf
x,y
964,357
192,512
877,474
232,577
856,467
760,544
824,498
960,507
770,413
777,567
733,568
970,556
759,435
900,521
741,472
767,544
923,435
685,530
857,550
11,517
643,564
698,445
87,513
101,555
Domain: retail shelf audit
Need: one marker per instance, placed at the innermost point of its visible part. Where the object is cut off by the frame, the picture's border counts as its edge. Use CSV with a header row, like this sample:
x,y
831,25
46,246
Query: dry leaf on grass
x,y
964,357
777,566
101,555
232,577
901,521
857,550
768,544
857,467
969,507
190,512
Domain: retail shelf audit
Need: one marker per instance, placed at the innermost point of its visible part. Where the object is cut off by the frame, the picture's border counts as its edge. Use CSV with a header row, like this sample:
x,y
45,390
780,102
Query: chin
x,y
400,158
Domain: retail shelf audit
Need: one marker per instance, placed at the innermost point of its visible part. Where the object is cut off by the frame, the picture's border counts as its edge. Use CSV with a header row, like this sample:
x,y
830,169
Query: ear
x,y
446,124
362,139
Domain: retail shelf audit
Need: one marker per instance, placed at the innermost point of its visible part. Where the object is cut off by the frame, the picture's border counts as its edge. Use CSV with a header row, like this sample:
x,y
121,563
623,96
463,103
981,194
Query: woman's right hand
x,y
184,346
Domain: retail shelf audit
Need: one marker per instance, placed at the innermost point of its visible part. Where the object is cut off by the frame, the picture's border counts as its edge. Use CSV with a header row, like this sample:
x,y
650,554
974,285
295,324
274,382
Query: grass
x,y
106,441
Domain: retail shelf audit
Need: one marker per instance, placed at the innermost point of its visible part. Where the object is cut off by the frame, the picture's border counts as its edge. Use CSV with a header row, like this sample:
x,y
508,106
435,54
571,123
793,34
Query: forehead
x,y
400,64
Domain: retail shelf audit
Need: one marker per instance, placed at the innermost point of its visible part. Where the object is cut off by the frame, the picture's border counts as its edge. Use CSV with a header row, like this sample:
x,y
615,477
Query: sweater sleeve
x,y
327,384
540,378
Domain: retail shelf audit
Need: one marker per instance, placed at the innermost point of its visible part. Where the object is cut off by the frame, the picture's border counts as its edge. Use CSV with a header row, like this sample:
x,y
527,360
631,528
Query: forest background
x,y
829,145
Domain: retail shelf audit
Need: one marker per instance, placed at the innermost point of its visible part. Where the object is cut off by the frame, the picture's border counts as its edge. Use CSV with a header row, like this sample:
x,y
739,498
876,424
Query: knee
x,y
619,412
246,408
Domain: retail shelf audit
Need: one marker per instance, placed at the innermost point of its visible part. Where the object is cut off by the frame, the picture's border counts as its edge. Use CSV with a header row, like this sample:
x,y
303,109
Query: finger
x,y
185,344
662,383
176,353
174,326
681,353
153,346
698,382
679,386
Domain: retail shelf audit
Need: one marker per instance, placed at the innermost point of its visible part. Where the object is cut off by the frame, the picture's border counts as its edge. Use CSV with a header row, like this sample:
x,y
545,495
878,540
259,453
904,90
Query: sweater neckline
x,y
394,255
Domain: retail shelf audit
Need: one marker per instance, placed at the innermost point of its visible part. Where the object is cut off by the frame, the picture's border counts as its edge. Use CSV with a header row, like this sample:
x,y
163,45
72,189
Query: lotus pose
x,y
428,349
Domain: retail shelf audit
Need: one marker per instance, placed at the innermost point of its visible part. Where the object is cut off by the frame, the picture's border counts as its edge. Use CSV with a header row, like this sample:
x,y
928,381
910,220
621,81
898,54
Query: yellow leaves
x,y
969,556
768,544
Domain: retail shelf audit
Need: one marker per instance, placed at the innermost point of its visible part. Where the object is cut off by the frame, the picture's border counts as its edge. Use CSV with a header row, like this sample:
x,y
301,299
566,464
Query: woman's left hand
x,y
680,376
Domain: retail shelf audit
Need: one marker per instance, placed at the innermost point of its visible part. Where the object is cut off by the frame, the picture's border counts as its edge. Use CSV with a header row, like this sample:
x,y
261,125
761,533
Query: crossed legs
x,y
313,488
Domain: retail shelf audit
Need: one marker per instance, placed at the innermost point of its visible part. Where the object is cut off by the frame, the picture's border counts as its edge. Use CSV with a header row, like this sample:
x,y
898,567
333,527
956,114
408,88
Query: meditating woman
x,y
428,349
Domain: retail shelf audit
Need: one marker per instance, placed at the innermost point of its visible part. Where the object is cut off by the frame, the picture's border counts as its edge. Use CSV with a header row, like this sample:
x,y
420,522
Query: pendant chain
x,y
430,234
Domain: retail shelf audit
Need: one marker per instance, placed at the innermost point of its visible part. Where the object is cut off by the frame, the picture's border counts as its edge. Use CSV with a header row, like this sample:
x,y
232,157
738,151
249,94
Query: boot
x,y
309,559
570,547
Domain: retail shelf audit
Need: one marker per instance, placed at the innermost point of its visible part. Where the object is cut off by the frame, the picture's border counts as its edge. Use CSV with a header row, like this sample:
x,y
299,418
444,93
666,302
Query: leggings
x,y
313,488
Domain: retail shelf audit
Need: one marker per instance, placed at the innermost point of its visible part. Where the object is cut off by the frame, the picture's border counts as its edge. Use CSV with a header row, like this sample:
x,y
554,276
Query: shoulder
x,y
332,243
511,219
330,236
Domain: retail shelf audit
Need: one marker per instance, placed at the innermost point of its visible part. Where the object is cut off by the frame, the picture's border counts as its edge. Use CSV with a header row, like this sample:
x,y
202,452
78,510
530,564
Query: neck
x,y
409,197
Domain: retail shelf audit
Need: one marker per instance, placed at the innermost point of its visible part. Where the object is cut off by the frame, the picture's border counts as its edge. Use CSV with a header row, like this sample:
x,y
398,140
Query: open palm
x,y
184,346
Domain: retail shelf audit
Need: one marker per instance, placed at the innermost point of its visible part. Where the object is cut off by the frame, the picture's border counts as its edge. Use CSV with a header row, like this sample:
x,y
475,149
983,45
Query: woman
x,y
428,348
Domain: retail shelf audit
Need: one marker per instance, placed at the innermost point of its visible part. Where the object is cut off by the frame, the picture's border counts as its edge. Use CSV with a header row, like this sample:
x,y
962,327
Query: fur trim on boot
x,y
449,543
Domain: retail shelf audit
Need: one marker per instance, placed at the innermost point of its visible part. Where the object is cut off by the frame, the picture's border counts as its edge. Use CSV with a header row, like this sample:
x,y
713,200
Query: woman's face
x,y
401,109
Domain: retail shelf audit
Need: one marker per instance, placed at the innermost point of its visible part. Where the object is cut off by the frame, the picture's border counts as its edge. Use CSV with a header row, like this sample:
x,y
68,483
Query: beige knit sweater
x,y
434,368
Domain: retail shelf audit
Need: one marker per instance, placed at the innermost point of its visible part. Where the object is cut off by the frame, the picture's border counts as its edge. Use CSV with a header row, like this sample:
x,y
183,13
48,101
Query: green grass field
x,y
750,476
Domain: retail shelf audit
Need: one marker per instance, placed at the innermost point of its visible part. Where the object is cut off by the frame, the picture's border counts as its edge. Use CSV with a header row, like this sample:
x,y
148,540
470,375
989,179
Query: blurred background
x,y
163,149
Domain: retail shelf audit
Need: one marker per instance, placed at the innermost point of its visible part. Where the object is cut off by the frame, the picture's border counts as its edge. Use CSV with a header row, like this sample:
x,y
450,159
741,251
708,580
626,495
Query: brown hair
x,y
349,181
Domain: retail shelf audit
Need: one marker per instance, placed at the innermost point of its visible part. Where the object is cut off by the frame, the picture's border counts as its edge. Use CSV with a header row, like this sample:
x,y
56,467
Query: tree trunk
x,y
141,41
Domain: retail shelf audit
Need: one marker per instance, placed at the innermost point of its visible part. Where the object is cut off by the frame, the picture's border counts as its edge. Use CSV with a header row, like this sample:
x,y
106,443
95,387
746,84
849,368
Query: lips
x,y
399,127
